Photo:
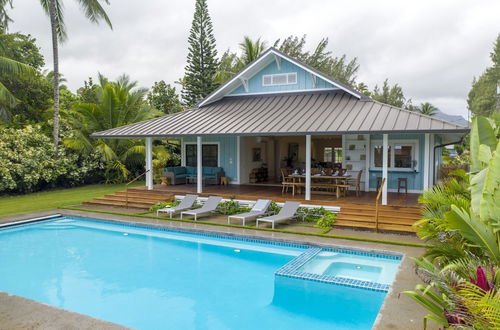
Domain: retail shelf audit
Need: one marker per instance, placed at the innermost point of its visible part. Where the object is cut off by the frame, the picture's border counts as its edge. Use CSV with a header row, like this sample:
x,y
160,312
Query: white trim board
x,y
285,92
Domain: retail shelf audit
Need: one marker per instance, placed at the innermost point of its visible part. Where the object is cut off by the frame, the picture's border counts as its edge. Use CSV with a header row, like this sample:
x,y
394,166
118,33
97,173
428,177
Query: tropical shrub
x,y
231,207
464,277
30,164
274,208
119,103
161,205
322,217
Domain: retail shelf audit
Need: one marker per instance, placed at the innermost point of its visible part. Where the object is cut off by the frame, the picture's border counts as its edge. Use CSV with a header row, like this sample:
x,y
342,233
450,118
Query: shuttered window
x,y
279,79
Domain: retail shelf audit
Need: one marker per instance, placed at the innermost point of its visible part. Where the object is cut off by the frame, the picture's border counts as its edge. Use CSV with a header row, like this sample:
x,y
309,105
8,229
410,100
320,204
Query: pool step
x,y
142,199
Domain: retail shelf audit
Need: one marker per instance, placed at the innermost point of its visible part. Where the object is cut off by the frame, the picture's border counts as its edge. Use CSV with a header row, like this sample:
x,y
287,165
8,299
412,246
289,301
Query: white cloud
x,y
431,48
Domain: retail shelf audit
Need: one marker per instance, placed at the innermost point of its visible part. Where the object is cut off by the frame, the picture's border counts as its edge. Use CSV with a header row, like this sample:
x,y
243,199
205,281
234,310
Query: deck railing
x,y
128,184
377,202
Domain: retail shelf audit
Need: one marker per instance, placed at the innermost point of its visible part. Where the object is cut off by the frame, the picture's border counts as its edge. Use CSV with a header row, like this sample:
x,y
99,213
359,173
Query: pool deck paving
x,y
397,312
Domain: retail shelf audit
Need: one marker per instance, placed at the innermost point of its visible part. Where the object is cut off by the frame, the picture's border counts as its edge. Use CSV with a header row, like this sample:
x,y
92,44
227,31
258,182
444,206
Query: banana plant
x,y
471,302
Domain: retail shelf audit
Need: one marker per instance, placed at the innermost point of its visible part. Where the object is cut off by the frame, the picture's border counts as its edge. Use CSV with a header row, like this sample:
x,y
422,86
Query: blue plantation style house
x,y
280,113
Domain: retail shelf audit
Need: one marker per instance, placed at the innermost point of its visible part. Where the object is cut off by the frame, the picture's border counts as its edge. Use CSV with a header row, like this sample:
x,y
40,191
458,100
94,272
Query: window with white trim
x,y
401,155
279,79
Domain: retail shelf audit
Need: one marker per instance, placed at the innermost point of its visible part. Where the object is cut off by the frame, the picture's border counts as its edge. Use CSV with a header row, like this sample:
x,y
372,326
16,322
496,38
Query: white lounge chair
x,y
207,208
185,204
286,213
259,209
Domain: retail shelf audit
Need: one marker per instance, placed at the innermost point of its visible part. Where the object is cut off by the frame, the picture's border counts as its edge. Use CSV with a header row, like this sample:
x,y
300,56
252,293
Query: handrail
x,y
126,186
376,202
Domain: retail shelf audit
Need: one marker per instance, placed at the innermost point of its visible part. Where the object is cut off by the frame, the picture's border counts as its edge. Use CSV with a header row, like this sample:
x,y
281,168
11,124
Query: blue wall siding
x,y
415,179
304,80
227,152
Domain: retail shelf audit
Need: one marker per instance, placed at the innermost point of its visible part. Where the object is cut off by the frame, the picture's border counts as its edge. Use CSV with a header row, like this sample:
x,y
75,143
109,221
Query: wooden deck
x,y
274,192
399,215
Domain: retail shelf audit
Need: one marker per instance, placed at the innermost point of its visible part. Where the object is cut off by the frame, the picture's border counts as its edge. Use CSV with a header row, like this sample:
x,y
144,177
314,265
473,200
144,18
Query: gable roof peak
x,y
259,63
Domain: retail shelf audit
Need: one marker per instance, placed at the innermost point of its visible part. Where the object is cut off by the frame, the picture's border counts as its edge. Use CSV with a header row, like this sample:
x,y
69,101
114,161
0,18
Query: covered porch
x,y
259,166
274,192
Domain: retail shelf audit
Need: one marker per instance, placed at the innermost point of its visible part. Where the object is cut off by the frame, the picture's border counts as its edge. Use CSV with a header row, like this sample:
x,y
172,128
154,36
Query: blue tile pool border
x,y
291,270
211,234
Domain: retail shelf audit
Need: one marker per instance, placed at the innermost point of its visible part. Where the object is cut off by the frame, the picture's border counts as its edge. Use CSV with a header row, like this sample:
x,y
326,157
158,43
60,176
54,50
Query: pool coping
x,y
392,311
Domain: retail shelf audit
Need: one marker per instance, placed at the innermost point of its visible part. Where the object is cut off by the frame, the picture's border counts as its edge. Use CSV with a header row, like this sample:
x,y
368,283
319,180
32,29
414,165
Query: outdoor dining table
x,y
342,178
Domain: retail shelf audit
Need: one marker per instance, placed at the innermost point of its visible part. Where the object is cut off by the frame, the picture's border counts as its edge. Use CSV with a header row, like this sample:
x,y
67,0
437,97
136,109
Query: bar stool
x,y
403,183
379,182
224,180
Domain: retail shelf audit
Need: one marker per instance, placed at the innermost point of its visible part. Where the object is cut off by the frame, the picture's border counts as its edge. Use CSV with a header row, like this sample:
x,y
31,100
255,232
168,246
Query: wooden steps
x,y
137,198
393,218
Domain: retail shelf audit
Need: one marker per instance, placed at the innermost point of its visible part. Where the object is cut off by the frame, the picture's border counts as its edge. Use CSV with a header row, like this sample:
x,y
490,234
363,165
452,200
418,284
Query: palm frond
x,y
94,11
59,17
7,100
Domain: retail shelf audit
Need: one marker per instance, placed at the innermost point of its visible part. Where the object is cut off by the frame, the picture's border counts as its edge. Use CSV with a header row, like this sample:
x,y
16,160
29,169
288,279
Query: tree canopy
x,y
482,99
164,97
202,62
119,103
339,68
392,95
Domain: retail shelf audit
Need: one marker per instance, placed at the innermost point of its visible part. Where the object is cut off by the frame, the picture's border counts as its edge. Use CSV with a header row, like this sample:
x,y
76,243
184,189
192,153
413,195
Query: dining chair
x,y
356,183
286,181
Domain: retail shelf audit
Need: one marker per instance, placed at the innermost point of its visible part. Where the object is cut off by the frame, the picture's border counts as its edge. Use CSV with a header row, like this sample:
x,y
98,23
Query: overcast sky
x,y
433,49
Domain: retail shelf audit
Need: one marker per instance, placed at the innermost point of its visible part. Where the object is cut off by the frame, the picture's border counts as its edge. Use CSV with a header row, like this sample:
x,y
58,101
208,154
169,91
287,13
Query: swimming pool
x,y
150,278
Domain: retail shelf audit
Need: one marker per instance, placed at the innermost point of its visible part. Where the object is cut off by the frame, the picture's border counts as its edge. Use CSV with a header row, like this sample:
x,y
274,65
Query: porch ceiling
x,y
314,113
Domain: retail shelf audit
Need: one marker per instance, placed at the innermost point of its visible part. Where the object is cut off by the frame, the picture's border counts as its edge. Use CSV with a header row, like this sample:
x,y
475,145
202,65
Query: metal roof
x,y
312,113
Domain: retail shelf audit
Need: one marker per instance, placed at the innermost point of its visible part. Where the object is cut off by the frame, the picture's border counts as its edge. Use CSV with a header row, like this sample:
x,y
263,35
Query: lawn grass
x,y
57,198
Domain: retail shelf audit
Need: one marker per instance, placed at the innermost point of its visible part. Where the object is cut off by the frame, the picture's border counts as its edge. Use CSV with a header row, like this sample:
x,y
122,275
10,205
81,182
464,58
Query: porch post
x,y
367,163
149,163
238,159
385,165
199,166
426,160
432,161
308,167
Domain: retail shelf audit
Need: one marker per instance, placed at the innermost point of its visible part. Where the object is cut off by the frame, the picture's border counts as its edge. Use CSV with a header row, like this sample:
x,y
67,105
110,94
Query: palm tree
x,y
54,9
120,103
230,63
10,67
427,109
250,50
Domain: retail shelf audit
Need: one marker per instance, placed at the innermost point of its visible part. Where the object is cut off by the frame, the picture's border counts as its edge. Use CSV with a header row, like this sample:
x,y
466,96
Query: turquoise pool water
x,y
153,279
